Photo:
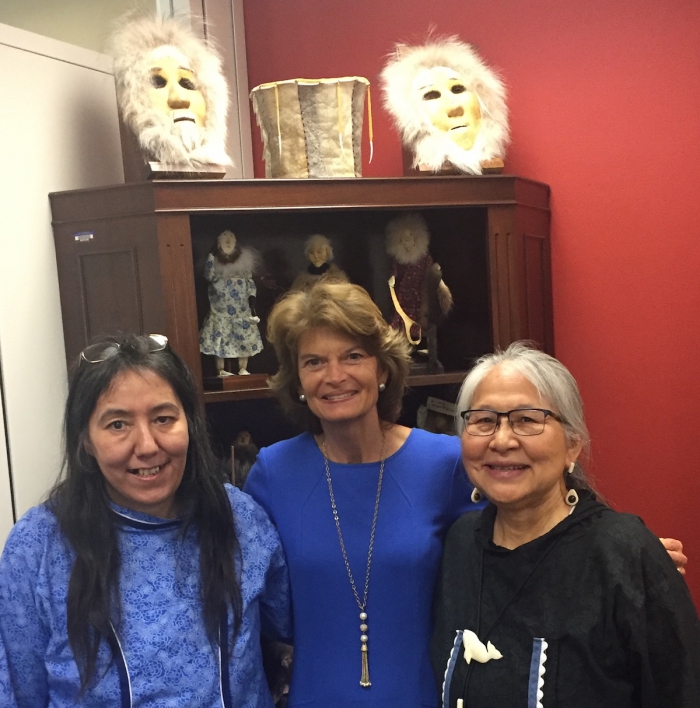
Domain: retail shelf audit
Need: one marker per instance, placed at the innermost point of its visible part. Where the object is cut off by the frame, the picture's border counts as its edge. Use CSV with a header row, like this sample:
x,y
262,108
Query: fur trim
x,y
431,147
245,265
444,295
414,224
132,46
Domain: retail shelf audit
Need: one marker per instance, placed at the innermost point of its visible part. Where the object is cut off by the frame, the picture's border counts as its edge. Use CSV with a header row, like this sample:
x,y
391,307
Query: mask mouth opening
x,y
181,114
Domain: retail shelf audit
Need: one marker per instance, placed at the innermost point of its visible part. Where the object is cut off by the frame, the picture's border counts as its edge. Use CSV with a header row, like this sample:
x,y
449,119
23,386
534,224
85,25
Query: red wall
x,y
604,97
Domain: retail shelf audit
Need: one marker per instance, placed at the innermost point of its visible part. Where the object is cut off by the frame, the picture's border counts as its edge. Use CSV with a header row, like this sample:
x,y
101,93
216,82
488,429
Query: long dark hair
x,y
81,504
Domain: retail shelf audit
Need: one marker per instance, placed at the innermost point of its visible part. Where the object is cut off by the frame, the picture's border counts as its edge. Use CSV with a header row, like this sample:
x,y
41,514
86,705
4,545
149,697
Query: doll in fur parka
x,y
319,252
420,296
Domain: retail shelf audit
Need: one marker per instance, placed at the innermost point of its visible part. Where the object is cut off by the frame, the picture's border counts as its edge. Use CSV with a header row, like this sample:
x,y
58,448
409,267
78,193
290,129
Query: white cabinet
x,y
63,134
6,511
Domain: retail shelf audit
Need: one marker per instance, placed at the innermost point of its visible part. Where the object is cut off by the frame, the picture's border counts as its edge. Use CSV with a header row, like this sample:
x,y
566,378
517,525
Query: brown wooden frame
x,y
124,252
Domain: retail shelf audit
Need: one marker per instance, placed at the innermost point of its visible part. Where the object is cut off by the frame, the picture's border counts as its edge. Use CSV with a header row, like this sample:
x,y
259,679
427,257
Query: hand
x,y
675,550
277,662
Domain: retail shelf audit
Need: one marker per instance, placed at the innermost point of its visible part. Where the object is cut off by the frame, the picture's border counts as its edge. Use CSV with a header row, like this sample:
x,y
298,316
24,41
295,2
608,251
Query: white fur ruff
x,y
132,46
245,265
431,147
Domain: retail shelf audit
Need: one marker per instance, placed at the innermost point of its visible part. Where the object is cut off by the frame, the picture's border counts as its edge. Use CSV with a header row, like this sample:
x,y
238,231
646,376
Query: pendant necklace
x,y
362,604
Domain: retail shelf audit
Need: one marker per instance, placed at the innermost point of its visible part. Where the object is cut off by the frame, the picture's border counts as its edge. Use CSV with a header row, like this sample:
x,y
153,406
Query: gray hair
x,y
554,383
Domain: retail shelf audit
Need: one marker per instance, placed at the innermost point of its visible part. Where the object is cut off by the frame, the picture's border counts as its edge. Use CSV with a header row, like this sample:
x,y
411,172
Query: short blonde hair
x,y
348,309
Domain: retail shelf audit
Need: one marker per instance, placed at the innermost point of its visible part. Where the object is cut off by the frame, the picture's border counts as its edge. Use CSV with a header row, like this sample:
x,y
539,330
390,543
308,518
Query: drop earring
x,y
572,498
302,398
571,495
476,495
382,387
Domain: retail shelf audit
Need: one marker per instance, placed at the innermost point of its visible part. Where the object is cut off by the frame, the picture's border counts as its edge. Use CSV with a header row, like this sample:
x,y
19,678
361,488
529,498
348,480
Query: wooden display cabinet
x,y
130,257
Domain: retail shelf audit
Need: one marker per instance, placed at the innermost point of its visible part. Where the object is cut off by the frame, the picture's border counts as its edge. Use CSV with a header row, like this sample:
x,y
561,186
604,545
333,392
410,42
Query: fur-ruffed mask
x,y
171,92
447,104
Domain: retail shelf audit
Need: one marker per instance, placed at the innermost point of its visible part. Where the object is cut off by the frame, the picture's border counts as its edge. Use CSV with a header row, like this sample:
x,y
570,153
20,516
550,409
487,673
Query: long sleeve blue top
x,y
163,658
425,489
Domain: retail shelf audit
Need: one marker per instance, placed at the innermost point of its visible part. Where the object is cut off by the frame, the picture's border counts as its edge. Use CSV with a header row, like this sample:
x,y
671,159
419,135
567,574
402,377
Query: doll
x,y
230,329
244,452
420,296
448,105
171,92
319,251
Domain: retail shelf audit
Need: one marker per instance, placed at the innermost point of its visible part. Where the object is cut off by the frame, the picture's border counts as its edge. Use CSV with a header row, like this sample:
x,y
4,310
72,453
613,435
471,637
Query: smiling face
x,y
448,105
516,471
138,435
338,377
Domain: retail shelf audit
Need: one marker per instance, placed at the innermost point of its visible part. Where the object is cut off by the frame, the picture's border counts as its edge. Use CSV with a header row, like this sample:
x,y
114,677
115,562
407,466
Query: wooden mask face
x,y
443,98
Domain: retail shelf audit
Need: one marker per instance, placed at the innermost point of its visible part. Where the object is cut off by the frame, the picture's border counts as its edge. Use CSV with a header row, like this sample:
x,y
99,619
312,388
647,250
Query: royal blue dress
x,y
425,489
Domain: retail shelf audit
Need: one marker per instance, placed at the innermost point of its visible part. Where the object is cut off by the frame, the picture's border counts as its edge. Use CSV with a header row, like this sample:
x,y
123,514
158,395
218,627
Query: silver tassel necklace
x,y
362,604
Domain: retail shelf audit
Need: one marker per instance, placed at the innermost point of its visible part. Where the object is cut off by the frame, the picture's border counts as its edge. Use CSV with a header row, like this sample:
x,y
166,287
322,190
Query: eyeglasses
x,y
523,421
102,351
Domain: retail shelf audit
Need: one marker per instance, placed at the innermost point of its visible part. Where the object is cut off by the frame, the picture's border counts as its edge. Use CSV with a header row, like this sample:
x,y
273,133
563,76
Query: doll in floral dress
x,y
230,330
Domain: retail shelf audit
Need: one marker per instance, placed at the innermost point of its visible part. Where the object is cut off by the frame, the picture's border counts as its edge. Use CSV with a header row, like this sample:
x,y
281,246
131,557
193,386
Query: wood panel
x,y
535,277
113,272
109,279
503,273
177,273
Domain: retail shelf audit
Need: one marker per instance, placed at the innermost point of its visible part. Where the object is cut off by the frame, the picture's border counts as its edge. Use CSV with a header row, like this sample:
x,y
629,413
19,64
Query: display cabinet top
x,y
210,196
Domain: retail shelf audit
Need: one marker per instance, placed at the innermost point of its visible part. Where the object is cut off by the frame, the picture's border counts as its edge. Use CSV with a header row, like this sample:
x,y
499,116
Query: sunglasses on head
x,y
95,353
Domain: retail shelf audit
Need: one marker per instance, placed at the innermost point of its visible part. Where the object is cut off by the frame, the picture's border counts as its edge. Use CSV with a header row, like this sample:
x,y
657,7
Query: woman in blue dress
x,y
361,503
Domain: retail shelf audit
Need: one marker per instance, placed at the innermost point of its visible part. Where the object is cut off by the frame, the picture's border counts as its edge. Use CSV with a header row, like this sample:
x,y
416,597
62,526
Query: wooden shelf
x,y
242,394
130,258
258,391
228,196
450,377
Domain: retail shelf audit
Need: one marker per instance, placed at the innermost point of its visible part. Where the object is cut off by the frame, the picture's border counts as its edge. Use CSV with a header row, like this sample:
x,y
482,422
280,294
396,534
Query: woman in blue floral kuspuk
x,y
144,580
